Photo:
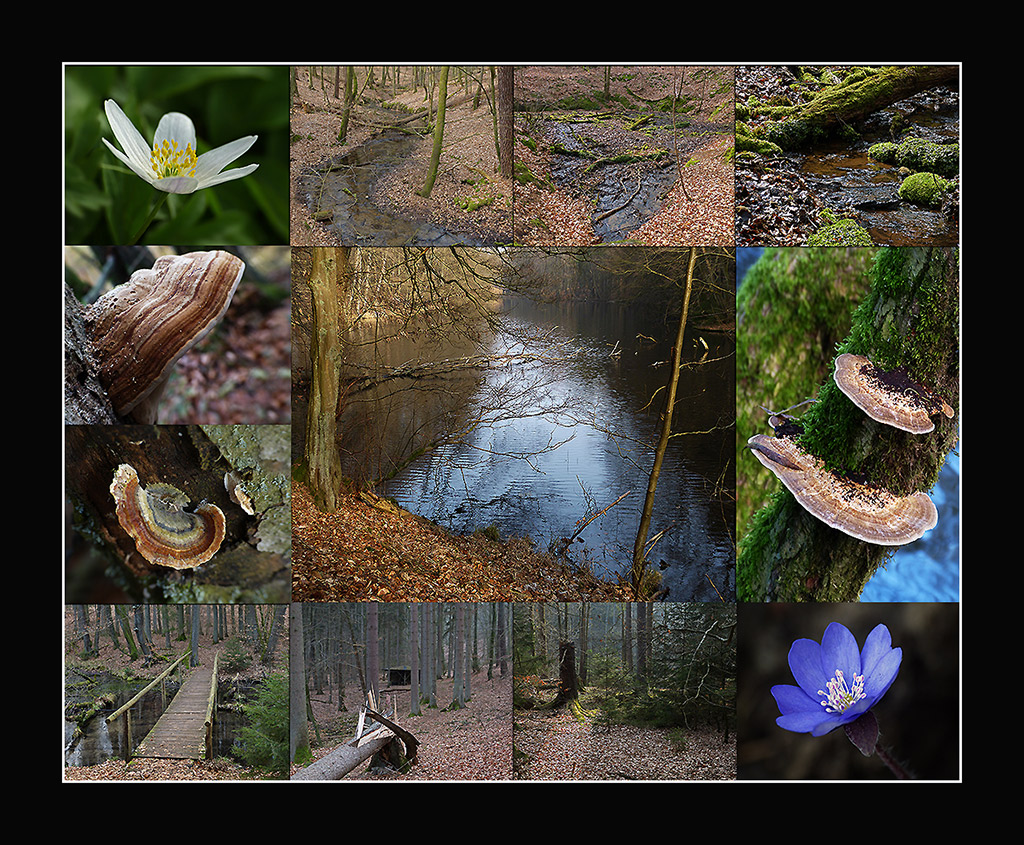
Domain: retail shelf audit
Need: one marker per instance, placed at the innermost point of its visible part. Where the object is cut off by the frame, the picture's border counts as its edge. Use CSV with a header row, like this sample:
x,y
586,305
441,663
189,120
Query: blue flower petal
x,y
805,664
839,651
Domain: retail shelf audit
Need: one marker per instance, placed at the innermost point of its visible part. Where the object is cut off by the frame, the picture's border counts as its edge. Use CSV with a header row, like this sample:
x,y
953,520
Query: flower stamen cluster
x,y
839,697
167,160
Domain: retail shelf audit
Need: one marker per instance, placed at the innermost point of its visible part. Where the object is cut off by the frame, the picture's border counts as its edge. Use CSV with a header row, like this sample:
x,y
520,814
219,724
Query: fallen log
x,y
362,747
344,759
839,106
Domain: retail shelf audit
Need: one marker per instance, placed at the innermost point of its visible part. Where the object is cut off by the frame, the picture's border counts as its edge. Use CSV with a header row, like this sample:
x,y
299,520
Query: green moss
x,y
840,233
925,189
793,309
884,152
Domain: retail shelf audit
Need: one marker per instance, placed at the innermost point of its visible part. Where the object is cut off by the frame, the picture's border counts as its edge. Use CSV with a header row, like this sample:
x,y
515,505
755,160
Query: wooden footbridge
x,y
185,730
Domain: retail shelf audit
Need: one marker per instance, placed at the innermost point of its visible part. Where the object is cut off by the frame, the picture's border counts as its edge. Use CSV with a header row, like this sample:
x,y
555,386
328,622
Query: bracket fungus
x,y
140,329
871,514
237,493
164,532
889,397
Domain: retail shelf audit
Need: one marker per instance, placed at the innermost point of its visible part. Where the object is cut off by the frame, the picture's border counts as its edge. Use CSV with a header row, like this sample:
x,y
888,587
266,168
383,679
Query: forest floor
x,y
698,208
560,746
468,149
366,553
114,659
473,743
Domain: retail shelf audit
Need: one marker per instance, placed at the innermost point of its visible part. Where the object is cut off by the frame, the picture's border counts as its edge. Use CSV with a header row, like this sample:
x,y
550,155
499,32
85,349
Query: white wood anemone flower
x,y
171,164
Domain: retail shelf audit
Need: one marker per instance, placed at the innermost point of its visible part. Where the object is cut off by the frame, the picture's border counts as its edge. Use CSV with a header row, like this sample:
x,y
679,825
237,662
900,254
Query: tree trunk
x,y
342,760
506,136
909,319
841,105
85,398
435,156
568,690
298,742
639,558
323,463
414,661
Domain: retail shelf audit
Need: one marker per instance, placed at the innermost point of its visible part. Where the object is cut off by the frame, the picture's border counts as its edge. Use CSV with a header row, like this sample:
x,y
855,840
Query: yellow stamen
x,y
167,160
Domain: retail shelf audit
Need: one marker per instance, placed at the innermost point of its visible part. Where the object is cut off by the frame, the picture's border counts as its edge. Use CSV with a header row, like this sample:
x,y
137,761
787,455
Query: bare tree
x,y
639,547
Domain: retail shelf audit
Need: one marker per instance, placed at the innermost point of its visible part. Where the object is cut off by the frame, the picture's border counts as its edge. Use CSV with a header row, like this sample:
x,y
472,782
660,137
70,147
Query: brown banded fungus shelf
x,y
140,329
871,514
165,533
888,396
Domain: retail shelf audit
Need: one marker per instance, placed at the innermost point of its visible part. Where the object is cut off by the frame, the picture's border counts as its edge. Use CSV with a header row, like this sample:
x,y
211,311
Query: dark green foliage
x,y
235,657
263,743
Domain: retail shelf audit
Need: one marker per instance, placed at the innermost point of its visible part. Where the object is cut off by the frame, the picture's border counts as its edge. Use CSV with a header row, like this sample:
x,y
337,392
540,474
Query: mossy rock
x,y
525,176
925,189
840,233
884,151
919,154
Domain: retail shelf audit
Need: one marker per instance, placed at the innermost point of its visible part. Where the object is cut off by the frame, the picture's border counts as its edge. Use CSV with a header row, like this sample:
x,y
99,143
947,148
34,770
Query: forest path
x,y
563,748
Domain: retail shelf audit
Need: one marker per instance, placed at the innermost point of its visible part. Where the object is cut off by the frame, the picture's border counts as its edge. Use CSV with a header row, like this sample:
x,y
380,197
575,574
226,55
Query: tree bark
x,y
323,463
298,736
342,760
506,136
910,319
568,689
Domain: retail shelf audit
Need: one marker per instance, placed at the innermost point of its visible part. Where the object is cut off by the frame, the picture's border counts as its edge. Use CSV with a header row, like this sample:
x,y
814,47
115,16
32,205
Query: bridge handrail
x,y
147,688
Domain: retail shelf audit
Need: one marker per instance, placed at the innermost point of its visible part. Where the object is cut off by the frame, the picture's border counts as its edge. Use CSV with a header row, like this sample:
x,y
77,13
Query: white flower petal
x,y
146,174
178,184
228,175
176,128
213,162
136,151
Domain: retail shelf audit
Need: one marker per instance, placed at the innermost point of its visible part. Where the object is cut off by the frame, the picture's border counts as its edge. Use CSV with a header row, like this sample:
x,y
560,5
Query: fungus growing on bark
x,y
140,329
164,532
890,397
237,493
868,513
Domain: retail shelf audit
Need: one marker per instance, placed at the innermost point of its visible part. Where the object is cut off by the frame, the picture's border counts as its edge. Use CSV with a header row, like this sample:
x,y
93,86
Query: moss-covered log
x,y
837,106
909,319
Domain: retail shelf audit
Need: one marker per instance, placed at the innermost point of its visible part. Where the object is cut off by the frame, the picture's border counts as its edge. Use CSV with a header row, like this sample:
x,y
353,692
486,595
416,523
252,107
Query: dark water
x,y
103,741
845,177
556,436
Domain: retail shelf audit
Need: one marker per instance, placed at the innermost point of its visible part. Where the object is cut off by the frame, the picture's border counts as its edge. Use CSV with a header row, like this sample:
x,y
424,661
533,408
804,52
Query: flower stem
x,y
891,764
157,205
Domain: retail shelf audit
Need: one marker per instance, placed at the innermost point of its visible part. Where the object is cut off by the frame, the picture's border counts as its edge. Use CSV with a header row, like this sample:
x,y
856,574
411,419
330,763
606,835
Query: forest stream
x,y
342,192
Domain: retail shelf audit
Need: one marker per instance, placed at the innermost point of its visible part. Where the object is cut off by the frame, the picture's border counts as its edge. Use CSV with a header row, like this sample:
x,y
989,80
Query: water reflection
x,y
561,427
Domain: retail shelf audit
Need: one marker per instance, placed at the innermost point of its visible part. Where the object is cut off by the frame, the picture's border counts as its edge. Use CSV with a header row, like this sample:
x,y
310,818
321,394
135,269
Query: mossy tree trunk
x,y
323,464
435,156
909,319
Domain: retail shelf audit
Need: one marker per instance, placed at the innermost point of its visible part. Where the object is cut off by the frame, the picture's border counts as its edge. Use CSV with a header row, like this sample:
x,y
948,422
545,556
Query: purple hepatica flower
x,y
836,683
